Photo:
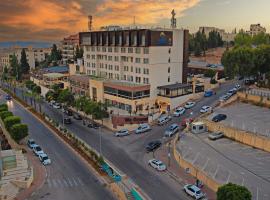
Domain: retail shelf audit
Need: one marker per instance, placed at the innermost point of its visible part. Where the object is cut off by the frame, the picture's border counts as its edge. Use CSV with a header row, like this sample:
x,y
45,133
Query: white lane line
x,y
229,176
70,183
54,183
205,165
243,180
60,183
49,183
65,183
257,194
216,171
74,181
196,157
80,181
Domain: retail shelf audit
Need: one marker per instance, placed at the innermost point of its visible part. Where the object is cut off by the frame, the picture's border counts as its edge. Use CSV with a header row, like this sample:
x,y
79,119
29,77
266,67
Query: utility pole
x,y
100,141
169,154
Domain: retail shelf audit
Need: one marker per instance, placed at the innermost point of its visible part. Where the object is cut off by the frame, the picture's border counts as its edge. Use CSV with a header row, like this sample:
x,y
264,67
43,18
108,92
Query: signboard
x,y
161,38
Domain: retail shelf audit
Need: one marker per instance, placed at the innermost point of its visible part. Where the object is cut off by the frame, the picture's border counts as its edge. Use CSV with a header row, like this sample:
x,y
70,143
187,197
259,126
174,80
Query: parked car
x,y
142,128
237,86
68,112
37,150
206,109
67,120
232,92
216,135
208,93
179,111
157,164
8,97
194,191
189,104
52,102
31,143
171,130
77,116
57,105
151,146
44,159
219,117
93,125
224,97
123,132
163,119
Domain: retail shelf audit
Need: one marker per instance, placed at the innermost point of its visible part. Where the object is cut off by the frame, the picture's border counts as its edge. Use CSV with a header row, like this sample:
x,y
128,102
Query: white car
x,y
44,159
179,111
189,104
57,105
157,164
194,191
122,132
142,128
164,119
51,103
37,150
171,130
206,109
237,86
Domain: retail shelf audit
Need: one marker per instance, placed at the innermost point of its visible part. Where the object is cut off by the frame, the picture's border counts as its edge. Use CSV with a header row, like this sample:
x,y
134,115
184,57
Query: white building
x,y
256,29
136,66
227,37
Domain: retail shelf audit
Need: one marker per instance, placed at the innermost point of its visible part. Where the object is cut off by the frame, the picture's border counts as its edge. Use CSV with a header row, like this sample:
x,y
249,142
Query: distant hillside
x,y
26,44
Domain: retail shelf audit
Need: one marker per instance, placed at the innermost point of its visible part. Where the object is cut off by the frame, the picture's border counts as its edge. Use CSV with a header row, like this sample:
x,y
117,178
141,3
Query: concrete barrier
x,y
251,139
194,171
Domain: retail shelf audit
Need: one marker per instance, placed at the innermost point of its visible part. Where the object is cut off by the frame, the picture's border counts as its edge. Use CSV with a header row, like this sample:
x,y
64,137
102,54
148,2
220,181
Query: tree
x,y
3,107
10,121
210,73
261,38
66,97
19,131
24,64
5,114
54,53
37,89
242,39
15,68
232,191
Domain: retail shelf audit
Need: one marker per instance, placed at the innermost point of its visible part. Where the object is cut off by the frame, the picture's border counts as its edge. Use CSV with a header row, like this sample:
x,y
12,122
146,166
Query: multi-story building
x,y
68,47
227,37
131,68
34,56
256,29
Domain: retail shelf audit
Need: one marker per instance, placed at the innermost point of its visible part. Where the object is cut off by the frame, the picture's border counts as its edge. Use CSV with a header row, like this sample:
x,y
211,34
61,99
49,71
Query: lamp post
x,y
169,154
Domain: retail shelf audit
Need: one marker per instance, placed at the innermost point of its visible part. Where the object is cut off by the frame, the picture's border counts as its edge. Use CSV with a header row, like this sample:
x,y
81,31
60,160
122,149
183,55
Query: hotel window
x,y
110,75
146,50
109,58
169,50
145,60
87,48
120,39
110,67
116,50
145,80
105,57
113,40
93,72
143,40
93,49
169,60
131,59
169,79
127,39
93,57
138,50
124,77
126,68
116,58
123,50
116,67
88,56
130,50
169,70
93,65
98,49
131,69
110,49
117,76
146,71
138,70
134,40
138,79
137,60
106,66
130,78
103,49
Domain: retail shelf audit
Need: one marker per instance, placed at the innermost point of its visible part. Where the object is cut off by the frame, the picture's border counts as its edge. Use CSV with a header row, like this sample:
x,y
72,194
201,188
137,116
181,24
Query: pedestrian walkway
x,y
179,174
68,182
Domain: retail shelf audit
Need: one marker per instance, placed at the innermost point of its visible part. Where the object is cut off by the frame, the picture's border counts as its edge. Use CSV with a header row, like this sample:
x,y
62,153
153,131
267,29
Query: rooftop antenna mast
x,y
173,19
90,20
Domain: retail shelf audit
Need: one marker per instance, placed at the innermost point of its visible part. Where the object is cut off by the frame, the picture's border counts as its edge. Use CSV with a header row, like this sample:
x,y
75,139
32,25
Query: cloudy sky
x,y
51,20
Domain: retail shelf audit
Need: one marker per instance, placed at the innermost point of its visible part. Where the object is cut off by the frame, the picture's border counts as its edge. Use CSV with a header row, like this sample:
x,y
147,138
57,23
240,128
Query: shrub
x,y
232,191
213,81
10,121
5,114
18,132
3,107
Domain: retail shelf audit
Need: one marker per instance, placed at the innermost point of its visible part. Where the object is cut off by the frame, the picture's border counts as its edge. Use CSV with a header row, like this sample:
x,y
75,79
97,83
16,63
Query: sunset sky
x,y
51,20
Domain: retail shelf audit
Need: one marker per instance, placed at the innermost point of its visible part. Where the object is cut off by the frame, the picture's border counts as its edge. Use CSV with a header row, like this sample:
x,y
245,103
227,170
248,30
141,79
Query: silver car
x,y
215,135
123,132
164,119
171,130
142,128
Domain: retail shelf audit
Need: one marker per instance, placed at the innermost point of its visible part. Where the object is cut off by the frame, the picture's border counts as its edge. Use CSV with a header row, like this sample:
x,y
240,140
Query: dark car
x,y
219,117
68,112
93,125
77,116
151,146
67,120
8,97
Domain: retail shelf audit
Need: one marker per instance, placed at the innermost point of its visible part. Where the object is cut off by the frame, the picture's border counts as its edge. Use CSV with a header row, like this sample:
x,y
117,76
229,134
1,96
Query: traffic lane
x,y
65,167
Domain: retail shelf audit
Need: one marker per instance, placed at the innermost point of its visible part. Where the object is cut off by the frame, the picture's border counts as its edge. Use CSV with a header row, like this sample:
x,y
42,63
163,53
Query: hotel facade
x,y
137,69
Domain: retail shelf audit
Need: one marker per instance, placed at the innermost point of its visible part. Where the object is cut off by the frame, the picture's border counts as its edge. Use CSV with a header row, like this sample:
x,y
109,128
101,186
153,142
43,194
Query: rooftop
x,y
80,78
175,86
57,69
54,75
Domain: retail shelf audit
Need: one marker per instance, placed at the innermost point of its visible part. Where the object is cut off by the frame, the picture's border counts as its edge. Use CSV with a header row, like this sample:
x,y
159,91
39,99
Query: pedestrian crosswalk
x,y
68,182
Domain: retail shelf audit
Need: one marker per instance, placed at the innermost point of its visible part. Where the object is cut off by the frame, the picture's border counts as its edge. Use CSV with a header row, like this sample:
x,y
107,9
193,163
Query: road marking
x,y
60,183
196,157
70,183
54,183
243,180
216,172
65,183
205,165
49,183
229,176
80,181
257,194
75,183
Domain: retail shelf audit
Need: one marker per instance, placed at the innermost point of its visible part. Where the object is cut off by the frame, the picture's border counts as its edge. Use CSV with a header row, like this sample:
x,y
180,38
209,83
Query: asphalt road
x,y
68,177
129,156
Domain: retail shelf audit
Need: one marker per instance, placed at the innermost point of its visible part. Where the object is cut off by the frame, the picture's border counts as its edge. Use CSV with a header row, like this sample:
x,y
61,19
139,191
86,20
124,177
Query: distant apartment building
x,y
68,47
135,69
33,55
227,37
256,29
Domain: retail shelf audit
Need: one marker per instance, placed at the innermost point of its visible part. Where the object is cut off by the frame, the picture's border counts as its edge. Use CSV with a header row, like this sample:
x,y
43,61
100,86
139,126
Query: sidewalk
x,y
178,173
39,177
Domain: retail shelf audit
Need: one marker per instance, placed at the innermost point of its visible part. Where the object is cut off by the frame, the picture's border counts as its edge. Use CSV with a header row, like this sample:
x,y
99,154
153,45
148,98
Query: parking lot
x,y
228,161
246,117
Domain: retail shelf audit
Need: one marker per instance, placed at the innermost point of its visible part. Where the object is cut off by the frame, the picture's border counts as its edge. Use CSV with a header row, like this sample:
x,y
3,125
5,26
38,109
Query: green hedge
x,y
3,107
5,114
10,121
19,131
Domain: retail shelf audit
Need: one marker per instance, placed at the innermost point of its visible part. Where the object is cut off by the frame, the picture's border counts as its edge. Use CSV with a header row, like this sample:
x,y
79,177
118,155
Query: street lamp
x,y
169,154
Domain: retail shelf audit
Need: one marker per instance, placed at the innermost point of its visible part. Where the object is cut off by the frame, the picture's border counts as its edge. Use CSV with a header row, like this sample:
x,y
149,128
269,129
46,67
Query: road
x,y
68,177
128,154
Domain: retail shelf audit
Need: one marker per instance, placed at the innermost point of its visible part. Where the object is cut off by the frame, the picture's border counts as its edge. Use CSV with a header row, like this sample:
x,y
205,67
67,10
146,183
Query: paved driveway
x,y
228,161
247,117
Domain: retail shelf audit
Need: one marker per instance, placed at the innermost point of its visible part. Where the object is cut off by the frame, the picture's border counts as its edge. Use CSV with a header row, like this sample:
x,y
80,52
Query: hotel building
x,y
137,69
